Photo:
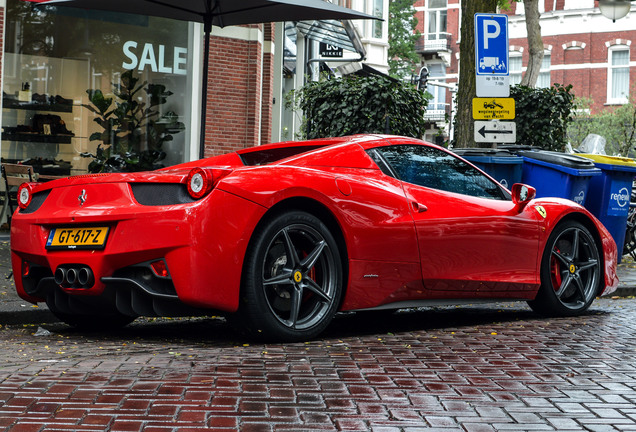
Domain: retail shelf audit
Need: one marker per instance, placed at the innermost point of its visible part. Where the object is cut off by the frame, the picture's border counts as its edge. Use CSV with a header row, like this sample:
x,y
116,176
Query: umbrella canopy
x,y
220,13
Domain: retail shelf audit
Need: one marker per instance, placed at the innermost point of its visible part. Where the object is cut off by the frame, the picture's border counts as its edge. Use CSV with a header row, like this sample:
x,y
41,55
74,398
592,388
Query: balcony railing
x,y
434,42
435,111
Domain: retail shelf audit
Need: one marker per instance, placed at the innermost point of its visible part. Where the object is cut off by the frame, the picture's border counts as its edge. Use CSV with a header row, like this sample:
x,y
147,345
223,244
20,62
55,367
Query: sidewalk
x,y
14,310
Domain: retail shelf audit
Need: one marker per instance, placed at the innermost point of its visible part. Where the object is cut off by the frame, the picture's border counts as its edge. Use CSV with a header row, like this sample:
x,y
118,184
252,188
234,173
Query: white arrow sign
x,y
495,131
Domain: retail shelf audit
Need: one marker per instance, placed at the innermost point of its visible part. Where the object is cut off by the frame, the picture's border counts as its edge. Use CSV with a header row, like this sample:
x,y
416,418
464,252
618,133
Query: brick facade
x,y
580,58
235,89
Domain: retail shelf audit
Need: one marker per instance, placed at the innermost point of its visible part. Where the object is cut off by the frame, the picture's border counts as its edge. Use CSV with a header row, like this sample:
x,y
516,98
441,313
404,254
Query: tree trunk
x,y
535,43
464,123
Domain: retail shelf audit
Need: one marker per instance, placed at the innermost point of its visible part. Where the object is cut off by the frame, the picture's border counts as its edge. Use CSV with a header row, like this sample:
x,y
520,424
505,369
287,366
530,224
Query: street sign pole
x,y
492,75
491,55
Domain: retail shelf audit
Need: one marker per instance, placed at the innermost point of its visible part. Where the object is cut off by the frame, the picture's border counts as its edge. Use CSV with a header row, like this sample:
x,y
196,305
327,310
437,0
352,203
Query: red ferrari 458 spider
x,y
281,237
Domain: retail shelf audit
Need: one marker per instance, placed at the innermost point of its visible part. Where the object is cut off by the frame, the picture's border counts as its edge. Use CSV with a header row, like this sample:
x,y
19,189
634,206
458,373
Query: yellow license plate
x,y
77,238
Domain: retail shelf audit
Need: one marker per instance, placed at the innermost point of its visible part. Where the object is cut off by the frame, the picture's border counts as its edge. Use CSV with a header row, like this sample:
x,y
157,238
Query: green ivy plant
x,y
543,115
360,104
132,131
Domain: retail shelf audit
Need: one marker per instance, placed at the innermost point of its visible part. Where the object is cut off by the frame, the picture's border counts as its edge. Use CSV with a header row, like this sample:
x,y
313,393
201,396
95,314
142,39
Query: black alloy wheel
x,y
292,281
571,272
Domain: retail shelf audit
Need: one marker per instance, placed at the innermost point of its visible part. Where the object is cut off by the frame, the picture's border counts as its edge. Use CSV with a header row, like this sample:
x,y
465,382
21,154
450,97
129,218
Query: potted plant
x,y
133,130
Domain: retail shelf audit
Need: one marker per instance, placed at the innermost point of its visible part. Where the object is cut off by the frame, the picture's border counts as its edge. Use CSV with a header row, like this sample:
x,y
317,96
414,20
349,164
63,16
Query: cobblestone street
x,y
473,368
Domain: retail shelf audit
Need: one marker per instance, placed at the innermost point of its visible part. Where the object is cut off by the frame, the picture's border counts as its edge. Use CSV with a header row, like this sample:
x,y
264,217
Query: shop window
x,y
618,75
54,57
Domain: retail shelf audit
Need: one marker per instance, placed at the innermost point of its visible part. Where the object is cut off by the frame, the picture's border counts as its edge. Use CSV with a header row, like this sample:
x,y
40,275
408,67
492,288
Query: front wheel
x,y
570,272
292,281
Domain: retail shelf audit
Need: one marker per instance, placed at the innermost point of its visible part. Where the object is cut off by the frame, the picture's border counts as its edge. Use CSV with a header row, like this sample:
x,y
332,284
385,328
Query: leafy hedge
x,y
361,104
543,115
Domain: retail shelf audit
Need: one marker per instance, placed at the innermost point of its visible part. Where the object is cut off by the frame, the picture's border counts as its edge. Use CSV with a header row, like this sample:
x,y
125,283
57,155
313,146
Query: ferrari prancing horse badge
x,y
541,211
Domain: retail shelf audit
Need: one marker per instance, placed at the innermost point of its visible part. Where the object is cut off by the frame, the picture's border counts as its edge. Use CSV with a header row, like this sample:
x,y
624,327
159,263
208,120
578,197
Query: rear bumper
x,y
202,248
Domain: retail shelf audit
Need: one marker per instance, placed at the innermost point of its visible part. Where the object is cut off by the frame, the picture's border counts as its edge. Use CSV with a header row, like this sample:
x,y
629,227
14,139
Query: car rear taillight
x,y
199,183
25,193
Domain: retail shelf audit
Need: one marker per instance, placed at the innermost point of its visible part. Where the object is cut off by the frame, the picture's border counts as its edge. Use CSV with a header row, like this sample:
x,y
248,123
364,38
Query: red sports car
x,y
281,237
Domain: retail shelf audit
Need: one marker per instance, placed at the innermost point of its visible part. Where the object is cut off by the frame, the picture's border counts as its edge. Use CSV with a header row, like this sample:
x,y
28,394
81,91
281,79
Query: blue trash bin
x,y
610,194
559,175
501,165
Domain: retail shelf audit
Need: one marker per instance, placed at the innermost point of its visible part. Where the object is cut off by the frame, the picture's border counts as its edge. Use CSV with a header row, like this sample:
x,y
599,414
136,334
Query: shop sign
x,y
155,58
332,51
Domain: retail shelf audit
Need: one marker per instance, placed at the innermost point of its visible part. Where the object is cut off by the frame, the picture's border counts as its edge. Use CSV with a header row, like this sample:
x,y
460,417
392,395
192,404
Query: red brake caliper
x,y
555,272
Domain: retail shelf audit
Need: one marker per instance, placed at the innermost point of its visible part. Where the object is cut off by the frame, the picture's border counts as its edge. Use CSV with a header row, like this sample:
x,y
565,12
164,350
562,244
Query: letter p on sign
x,y
488,34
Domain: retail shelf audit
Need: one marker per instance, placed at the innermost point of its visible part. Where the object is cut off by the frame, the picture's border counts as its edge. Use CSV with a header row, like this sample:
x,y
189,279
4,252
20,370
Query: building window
x,y
618,75
378,11
436,16
436,109
514,67
544,75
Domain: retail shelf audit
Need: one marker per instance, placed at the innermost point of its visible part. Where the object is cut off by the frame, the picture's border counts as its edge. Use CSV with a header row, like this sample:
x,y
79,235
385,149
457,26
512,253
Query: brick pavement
x,y
475,368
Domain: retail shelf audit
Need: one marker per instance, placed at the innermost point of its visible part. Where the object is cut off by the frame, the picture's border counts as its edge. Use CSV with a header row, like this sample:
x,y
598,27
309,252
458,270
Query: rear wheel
x,y
570,272
292,280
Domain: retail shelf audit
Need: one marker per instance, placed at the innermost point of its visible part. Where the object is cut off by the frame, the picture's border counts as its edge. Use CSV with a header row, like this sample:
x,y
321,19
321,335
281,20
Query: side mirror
x,y
522,194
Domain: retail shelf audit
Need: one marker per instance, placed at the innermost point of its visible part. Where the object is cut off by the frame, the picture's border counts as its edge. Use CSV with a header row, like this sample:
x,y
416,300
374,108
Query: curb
x,y
32,316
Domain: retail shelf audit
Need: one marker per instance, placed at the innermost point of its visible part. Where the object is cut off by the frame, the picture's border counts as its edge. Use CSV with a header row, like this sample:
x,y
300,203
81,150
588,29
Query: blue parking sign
x,y
491,44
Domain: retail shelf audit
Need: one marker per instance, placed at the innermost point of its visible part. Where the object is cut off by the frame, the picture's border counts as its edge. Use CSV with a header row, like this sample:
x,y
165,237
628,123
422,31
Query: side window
x,y
436,169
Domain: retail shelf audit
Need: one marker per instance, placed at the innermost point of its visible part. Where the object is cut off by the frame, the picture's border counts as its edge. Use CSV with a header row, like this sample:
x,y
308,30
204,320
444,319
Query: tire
x,y
629,247
292,279
92,319
571,272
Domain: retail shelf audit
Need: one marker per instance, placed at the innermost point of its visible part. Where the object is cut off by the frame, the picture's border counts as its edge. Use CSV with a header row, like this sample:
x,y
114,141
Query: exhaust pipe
x,y
60,276
71,276
74,277
85,277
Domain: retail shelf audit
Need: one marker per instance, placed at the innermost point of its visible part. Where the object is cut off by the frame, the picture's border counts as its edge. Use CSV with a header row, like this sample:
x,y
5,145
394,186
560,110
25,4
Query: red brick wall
x,y
234,95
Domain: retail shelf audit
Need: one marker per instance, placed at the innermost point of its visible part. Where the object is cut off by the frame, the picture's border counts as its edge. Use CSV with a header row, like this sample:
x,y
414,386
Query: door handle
x,y
419,208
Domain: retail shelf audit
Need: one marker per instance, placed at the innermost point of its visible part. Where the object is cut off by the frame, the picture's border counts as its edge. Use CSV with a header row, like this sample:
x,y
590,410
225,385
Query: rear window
x,y
268,156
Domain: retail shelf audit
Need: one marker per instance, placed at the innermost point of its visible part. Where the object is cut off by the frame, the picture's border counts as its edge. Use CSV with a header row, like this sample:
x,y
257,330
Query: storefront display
x,y
57,60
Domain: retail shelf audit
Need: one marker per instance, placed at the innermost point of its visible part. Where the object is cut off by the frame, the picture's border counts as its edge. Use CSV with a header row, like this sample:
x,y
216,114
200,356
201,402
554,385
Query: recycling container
x,y
559,175
501,165
610,194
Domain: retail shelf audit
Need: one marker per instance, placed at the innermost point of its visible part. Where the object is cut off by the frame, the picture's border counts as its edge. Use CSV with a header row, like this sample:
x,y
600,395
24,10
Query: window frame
x,y
378,155
515,54
378,25
611,68
438,33
543,71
